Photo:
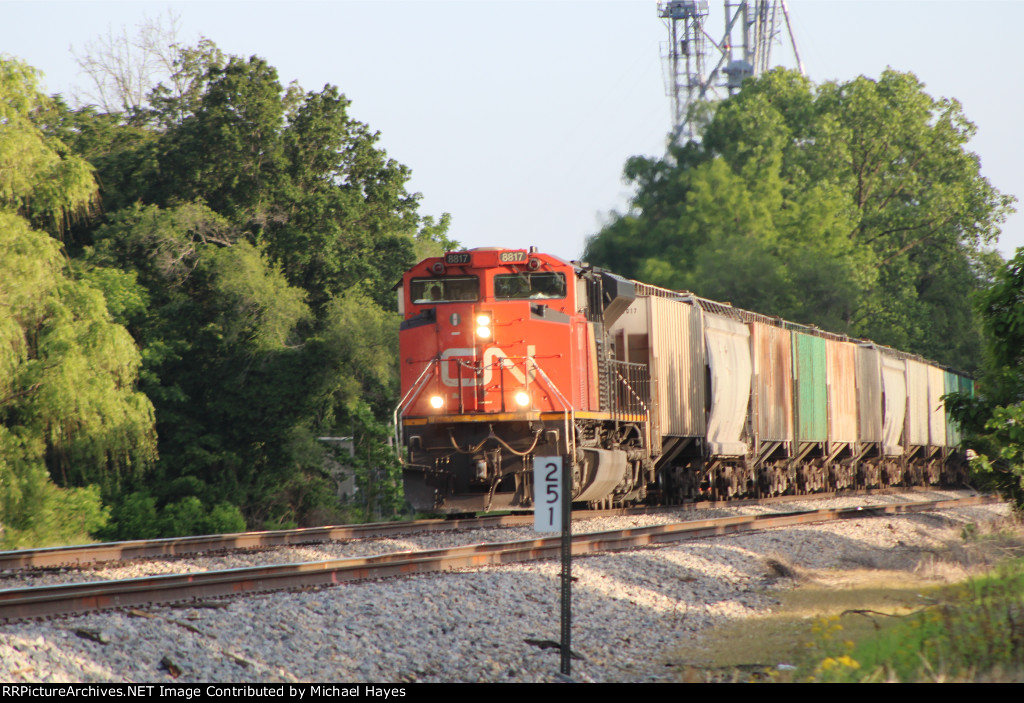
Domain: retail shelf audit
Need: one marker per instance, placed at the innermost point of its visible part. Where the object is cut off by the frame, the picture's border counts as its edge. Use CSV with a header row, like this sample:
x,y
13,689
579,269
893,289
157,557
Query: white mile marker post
x,y
552,510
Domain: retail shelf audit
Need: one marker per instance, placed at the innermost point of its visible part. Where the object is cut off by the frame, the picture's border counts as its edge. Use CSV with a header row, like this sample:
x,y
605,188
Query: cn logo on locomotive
x,y
491,359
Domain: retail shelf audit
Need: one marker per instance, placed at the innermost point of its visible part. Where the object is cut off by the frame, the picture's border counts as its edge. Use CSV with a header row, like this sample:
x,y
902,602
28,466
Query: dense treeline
x,y
195,288
993,418
852,206
68,404
222,299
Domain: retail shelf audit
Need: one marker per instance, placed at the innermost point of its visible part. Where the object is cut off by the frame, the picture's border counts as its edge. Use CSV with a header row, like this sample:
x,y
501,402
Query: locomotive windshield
x,y
444,290
535,286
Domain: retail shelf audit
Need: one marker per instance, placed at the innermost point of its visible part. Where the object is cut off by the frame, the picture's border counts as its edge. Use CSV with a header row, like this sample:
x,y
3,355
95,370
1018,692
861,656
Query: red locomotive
x,y
503,357
507,354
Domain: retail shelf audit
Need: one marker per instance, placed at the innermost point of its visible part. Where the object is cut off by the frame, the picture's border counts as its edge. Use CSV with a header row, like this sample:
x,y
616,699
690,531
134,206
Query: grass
x,y
950,614
973,631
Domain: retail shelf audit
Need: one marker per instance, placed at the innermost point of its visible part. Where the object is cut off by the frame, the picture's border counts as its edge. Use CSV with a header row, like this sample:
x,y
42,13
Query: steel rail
x,y
83,554
86,554
65,599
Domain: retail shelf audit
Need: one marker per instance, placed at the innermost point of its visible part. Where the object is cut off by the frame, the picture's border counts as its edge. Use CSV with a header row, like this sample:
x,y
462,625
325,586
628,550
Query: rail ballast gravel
x,y
48,601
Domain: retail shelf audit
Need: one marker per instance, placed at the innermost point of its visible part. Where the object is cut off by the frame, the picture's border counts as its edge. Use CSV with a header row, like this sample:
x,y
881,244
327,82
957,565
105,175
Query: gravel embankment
x,y
629,610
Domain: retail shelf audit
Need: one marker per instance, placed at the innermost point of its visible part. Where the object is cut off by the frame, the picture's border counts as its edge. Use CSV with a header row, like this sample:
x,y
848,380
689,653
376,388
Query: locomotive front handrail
x,y
417,386
570,413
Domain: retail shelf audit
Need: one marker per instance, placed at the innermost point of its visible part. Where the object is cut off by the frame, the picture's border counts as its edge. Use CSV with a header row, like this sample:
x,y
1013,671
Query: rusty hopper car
x,y
507,354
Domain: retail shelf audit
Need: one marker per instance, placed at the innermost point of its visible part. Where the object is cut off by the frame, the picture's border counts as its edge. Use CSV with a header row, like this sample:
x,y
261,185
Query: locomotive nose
x,y
457,321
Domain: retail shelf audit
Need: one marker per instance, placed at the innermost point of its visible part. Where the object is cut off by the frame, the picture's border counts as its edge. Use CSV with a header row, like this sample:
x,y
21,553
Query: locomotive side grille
x,y
604,382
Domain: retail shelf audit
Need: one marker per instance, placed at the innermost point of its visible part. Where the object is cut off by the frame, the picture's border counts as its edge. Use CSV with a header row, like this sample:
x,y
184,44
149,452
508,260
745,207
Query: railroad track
x,y
66,599
84,554
87,554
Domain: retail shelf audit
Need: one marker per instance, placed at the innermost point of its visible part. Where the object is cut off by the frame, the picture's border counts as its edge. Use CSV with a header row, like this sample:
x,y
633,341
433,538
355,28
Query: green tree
x,y
292,170
123,155
226,359
229,151
40,179
251,236
853,206
993,419
346,217
69,411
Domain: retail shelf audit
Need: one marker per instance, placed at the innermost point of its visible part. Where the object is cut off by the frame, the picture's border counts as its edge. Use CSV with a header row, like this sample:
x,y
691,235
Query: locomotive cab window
x,y
453,289
531,286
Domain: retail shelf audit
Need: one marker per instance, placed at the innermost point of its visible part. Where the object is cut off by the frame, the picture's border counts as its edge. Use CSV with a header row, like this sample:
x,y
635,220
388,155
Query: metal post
x,y
566,564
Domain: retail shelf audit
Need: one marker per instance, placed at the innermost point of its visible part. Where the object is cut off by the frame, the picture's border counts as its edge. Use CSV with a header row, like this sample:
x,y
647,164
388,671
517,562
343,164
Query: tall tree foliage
x,y
854,206
258,230
40,179
229,151
69,411
993,418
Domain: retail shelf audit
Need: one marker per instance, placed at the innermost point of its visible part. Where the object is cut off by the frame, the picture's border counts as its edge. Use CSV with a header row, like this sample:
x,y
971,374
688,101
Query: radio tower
x,y
690,50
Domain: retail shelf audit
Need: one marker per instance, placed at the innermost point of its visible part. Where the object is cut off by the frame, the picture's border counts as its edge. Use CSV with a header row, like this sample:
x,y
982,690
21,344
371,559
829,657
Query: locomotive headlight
x,y
436,402
483,326
522,399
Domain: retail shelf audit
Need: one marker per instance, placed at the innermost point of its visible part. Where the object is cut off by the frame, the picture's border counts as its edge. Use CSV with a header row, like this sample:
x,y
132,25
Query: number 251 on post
x,y
547,493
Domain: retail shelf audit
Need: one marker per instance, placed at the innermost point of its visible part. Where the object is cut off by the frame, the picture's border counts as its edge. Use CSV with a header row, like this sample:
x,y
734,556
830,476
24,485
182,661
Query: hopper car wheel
x,y
691,484
819,476
775,479
955,473
847,472
674,482
734,481
915,474
893,473
780,479
810,477
869,474
841,476
724,483
801,479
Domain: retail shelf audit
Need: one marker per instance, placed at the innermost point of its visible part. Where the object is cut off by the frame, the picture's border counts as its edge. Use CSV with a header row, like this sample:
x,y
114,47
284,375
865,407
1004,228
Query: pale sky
x,y
517,117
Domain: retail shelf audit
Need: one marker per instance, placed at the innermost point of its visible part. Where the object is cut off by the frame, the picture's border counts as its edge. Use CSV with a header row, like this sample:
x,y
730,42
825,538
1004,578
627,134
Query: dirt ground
x,y
865,588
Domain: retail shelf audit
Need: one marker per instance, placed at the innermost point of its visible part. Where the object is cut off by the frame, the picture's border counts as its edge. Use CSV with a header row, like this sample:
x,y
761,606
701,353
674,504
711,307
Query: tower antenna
x,y
690,49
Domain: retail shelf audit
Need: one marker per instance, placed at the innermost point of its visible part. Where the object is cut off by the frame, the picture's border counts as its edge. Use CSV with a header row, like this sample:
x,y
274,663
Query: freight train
x,y
651,394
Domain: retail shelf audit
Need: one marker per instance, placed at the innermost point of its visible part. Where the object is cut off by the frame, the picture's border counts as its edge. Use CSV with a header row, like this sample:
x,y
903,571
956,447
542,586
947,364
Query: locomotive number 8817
x,y
507,354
